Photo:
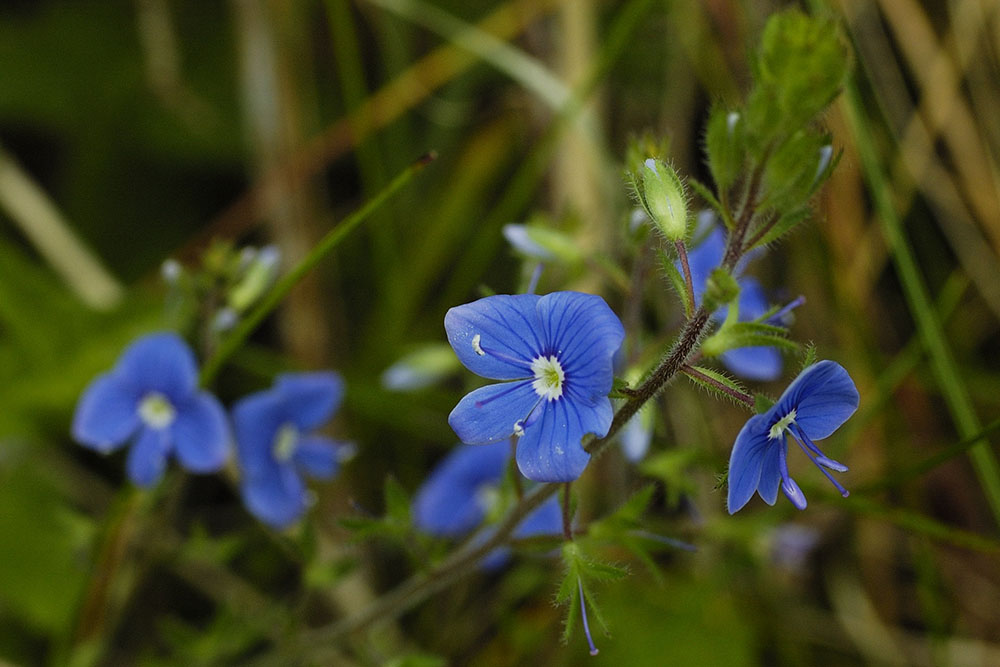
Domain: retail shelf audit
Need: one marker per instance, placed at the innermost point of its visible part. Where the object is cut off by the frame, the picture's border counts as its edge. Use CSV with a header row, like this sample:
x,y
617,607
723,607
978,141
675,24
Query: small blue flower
x,y
557,351
151,399
753,363
817,402
276,443
461,491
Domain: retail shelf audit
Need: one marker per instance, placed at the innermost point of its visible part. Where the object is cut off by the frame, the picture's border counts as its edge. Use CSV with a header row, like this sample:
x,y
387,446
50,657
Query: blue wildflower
x,y
151,399
753,363
276,443
557,351
461,492
817,402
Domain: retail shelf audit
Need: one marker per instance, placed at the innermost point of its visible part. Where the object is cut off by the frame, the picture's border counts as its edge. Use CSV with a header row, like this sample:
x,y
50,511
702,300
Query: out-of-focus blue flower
x,y
460,492
753,363
277,444
557,351
817,402
151,399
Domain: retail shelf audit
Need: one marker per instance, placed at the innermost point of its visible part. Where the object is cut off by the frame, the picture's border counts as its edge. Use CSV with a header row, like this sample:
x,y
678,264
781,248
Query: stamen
x,y
782,425
820,457
586,625
286,441
788,485
778,317
549,377
477,346
536,274
796,434
156,410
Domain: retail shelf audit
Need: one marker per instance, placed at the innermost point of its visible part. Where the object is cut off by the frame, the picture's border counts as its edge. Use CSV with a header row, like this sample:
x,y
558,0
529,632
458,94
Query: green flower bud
x,y
664,198
720,289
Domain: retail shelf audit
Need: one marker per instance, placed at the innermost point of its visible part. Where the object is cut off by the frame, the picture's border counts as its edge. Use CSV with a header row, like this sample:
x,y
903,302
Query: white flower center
x,y
286,441
782,425
549,377
156,410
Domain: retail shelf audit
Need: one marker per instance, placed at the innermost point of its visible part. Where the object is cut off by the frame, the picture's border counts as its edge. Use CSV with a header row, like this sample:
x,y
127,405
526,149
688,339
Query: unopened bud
x,y
664,199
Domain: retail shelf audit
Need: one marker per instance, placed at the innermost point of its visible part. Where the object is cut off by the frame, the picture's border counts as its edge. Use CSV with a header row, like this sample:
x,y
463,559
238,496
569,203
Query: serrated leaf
x,y
810,356
747,334
784,224
719,378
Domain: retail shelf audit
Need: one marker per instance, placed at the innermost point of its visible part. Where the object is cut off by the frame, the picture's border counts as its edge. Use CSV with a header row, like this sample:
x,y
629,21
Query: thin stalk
x,y
290,279
742,397
688,283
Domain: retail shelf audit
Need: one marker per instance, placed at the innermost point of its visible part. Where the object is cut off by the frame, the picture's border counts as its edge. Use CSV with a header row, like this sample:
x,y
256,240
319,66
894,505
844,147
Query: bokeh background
x,y
134,131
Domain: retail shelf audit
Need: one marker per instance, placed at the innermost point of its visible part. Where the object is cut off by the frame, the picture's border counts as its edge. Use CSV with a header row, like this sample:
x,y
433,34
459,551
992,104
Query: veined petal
x,y
496,337
160,362
447,503
147,458
106,414
747,460
489,413
310,399
201,433
256,420
277,497
316,455
584,333
770,471
550,449
823,397
758,363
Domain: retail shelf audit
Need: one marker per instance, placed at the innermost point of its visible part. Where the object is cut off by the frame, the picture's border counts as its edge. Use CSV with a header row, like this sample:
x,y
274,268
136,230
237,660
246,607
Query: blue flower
x,y
276,443
461,491
557,351
817,402
151,399
753,363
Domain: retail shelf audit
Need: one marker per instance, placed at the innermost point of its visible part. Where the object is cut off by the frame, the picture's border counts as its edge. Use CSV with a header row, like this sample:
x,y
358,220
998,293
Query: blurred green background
x,y
133,131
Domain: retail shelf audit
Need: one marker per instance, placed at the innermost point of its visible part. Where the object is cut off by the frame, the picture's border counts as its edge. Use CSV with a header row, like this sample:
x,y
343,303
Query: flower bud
x,y
663,196
720,289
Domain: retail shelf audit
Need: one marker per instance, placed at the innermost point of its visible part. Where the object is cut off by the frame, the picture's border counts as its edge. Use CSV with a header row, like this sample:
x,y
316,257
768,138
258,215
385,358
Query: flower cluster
x,y
151,399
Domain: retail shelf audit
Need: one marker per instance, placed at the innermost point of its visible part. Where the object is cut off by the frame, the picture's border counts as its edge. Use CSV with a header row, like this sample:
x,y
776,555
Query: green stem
x,y
290,279
688,283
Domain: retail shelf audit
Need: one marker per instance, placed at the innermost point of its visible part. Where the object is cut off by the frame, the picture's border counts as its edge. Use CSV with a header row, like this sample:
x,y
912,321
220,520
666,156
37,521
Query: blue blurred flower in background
x,y
462,490
813,406
277,446
558,350
753,363
151,399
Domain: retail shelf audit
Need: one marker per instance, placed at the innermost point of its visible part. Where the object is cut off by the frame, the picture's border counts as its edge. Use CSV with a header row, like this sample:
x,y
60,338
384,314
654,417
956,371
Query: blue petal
x,y
758,363
106,414
256,420
545,520
823,397
550,450
508,330
636,436
489,413
770,471
201,433
276,497
160,362
584,333
310,399
706,256
753,299
316,455
446,503
147,458
746,461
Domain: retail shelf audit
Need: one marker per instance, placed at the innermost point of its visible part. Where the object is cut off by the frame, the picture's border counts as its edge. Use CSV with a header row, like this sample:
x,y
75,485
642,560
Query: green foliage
x,y
580,571
720,289
725,146
664,198
715,382
747,334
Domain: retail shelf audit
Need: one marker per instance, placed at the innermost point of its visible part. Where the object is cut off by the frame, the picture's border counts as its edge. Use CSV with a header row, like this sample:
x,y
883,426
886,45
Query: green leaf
x,y
724,144
747,334
784,224
762,403
719,378
673,276
705,193
397,501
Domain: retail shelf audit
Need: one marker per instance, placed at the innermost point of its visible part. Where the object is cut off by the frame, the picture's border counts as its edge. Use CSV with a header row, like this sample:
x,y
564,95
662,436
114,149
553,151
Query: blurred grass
x,y
130,117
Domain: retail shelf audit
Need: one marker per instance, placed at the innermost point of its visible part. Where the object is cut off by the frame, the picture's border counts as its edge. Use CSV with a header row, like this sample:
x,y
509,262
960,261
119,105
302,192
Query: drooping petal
x,y
758,363
201,433
550,449
147,458
496,337
823,397
747,460
770,471
310,399
106,414
316,455
277,497
447,503
160,362
793,493
584,333
489,413
256,420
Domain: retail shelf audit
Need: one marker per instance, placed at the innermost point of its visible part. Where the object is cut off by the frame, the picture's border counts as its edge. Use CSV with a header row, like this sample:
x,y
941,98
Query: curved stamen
x,y
788,485
477,345
796,433
586,625
780,315
820,457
